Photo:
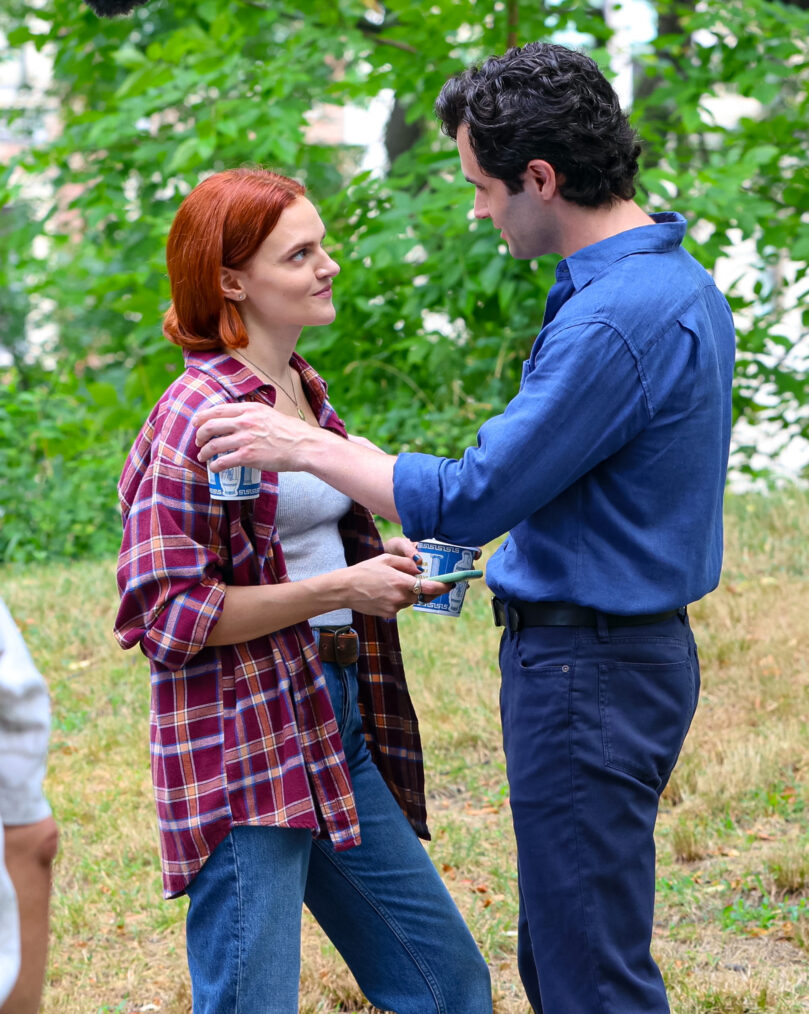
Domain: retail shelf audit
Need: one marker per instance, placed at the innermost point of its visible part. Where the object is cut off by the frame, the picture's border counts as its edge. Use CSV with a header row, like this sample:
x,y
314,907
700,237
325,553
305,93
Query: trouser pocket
x,y
646,710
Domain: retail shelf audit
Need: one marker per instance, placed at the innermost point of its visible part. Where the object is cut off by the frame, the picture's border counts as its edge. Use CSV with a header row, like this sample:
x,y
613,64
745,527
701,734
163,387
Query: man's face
x,y
523,219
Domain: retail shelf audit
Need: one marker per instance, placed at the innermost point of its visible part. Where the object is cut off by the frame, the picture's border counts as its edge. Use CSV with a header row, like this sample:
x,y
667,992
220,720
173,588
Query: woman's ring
x,y
417,587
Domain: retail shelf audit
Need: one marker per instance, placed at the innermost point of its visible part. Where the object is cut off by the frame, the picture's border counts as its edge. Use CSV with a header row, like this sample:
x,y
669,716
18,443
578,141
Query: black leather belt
x,y
341,646
517,614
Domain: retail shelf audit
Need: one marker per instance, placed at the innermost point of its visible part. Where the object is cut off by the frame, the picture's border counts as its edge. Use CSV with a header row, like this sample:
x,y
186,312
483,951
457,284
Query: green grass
x,y
731,927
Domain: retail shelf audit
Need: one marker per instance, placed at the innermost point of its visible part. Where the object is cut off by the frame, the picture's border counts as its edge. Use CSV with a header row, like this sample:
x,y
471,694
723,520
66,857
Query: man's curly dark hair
x,y
548,102
109,8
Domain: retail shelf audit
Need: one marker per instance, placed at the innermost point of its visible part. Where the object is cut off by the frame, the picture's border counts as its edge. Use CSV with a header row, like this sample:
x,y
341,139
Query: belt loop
x,y
602,628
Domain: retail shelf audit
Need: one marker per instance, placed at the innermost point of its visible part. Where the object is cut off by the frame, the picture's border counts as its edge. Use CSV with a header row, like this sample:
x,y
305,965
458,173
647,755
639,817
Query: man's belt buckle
x,y
505,615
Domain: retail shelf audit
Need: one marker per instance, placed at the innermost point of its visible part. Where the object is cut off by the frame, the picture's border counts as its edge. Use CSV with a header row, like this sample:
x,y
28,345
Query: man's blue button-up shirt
x,y
608,467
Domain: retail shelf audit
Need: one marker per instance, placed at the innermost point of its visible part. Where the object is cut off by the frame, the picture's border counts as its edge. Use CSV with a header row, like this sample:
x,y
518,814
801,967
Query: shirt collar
x,y
240,381
583,265
237,379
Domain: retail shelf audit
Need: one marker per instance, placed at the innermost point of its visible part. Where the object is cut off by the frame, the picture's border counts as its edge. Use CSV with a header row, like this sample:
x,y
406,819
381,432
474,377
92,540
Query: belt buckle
x,y
325,645
346,645
505,615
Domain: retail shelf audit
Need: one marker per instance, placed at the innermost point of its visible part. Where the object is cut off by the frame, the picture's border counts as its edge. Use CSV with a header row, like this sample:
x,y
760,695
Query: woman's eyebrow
x,y
302,243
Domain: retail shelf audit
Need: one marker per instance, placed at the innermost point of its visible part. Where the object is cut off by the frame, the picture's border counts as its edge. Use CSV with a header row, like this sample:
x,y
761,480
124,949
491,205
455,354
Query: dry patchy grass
x,y
732,921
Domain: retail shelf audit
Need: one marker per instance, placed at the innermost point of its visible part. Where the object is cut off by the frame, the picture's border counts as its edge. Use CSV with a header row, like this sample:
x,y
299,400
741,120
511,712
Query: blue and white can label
x,y
444,558
240,483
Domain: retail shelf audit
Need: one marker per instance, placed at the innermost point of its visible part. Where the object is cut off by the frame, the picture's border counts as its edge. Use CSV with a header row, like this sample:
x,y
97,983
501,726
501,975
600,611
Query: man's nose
x,y
481,209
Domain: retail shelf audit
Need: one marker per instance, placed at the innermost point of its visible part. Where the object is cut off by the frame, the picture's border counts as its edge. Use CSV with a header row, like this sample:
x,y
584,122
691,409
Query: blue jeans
x,y
382,904
593,722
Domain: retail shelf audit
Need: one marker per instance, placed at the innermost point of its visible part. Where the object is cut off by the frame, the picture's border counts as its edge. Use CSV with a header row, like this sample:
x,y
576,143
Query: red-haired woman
x,y
285,750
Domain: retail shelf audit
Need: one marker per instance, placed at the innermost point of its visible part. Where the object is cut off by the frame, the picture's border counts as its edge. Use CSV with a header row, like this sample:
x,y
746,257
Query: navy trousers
x,y
593,721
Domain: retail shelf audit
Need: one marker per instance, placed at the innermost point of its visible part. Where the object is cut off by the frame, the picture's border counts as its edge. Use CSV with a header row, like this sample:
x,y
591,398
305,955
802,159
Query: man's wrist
x,y
318,449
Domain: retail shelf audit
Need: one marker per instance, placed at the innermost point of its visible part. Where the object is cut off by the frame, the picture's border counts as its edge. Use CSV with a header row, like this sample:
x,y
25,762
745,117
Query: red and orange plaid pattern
x,y
245,733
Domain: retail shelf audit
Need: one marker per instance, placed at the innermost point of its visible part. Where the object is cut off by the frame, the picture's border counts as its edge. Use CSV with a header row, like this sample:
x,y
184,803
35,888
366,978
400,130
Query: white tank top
x,y
307,516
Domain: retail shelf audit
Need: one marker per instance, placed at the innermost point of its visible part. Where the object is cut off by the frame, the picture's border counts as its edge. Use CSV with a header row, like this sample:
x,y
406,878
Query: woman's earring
x,y
242,295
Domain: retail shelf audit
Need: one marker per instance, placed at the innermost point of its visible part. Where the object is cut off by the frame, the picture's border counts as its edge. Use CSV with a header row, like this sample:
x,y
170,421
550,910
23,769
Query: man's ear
x,y
231,284
541,177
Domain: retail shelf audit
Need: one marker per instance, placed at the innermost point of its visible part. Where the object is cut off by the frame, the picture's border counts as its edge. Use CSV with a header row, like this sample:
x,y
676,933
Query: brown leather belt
x,y
339,646
516,614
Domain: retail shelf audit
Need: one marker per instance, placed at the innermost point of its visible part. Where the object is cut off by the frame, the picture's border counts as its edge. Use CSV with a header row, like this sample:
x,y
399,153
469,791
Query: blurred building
x,y
24,77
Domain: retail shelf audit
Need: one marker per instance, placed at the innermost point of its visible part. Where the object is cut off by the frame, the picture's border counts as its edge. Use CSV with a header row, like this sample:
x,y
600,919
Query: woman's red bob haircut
x,y
221,223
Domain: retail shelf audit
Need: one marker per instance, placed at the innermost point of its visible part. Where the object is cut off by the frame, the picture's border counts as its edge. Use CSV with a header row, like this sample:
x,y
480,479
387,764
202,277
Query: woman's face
x,y
288,281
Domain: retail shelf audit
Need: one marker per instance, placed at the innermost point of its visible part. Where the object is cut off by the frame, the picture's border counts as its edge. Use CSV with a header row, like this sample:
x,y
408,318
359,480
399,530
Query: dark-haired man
x,y
607,469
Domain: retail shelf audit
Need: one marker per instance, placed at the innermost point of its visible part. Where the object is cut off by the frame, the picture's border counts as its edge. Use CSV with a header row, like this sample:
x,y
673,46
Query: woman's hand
x,y
384,585
377,587
398,545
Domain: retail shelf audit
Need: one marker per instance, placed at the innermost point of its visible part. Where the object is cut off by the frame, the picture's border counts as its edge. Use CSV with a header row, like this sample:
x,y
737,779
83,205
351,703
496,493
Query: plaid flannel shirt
x,y
243,733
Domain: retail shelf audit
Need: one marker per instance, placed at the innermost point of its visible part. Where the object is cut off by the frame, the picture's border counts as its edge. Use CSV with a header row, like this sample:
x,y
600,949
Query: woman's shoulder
x,y
193,388
188,394
169,432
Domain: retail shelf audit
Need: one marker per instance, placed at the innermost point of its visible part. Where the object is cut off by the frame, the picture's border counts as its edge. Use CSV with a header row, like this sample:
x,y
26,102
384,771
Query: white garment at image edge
x,y
24,728
9,930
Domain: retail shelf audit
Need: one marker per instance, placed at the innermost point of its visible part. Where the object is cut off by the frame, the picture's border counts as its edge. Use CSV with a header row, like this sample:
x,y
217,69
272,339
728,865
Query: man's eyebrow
x,y
475,183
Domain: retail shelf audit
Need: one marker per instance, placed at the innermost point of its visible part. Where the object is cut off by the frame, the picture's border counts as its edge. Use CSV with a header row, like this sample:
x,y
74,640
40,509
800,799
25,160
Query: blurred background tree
x,y
434,319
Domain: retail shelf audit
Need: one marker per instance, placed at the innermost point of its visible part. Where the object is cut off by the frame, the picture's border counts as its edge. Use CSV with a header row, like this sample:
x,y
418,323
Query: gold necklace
x,y
292,397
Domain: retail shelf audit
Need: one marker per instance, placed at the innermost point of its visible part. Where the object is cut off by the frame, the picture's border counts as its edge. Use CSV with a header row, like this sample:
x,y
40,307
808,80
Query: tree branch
x,y
370,32
395,42
513,22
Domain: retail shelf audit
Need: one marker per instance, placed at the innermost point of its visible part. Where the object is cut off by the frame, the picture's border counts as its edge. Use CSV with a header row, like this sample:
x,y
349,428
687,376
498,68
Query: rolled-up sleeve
x,y
417,493
170,565
581,400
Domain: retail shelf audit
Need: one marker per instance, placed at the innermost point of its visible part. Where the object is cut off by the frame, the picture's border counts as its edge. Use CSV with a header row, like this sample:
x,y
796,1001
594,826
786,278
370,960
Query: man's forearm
x,y
254,435
364,474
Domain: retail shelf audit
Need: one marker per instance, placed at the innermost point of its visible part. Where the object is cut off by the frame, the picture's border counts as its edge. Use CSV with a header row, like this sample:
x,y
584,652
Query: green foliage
x,y
59,453
725,115
762,912
434,319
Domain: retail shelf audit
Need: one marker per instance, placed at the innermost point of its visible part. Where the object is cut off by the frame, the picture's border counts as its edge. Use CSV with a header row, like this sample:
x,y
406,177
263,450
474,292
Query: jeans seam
x,y
240,935
575,809
344,679
392,924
